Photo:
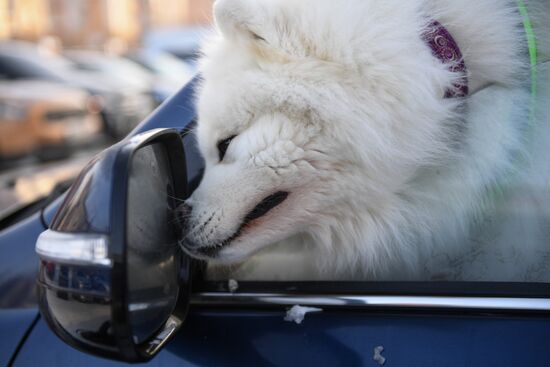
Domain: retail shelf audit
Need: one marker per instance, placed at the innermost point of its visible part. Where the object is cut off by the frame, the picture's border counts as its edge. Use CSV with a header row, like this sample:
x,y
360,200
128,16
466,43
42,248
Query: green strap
x,y
533,53
495,190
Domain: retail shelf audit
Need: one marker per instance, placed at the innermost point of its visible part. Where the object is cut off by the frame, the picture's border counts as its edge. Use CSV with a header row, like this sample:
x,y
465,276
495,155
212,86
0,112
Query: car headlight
x,y
13,111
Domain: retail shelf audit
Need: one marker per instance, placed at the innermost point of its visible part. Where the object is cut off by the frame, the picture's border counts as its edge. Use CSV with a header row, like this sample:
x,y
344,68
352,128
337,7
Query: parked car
x,y
86,296
170,72
126,70
44,118
123,106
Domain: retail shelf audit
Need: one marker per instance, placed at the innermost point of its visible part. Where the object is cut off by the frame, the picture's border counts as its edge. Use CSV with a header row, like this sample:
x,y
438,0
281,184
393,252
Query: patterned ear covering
x,y
446,49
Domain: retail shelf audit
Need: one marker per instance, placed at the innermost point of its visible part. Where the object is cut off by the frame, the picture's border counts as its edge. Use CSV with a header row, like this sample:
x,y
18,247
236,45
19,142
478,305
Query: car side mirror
x,y
112,280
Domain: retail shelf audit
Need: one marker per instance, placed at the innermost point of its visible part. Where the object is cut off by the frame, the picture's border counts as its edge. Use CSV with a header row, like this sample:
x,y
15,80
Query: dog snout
x,y
183,212
183,219
189,244
186,225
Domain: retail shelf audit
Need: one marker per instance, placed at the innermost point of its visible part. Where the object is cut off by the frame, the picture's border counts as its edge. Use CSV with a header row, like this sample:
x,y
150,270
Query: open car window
x,y
506,251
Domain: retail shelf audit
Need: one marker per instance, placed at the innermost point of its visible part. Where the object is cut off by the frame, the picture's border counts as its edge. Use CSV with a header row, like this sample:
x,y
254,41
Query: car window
x,y
509,242
19,68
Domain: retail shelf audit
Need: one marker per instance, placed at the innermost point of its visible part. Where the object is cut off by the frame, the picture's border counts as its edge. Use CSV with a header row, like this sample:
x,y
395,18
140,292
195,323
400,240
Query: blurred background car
x,y
128,72
182,42
123,102
65,63
44,118
170,72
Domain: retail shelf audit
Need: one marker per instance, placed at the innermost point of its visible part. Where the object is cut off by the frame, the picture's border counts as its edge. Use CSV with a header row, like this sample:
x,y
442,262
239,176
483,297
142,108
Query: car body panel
x,y
14,326
329,338
19,263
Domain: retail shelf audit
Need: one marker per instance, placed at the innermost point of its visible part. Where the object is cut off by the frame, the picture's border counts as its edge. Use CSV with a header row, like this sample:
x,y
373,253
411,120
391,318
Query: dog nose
x,y
182,215
189,244
185,210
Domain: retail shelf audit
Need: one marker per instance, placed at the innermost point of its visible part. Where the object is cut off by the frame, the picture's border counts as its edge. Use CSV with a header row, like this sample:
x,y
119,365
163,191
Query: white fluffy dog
x,y
327,121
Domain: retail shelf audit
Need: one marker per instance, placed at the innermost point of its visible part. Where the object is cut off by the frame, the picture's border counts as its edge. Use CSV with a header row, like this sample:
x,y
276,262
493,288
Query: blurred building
x,y
26,19
92,23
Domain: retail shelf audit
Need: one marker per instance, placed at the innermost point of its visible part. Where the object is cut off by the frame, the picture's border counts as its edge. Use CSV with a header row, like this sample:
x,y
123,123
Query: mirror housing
x,y
112,280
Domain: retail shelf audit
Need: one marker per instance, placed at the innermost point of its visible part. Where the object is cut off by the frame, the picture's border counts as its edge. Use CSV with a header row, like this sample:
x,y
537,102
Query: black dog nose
x,y
185,210
182,215
189,244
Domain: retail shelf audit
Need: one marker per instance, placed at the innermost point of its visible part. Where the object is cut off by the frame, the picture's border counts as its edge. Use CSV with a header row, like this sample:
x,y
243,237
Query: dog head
x,y
310,113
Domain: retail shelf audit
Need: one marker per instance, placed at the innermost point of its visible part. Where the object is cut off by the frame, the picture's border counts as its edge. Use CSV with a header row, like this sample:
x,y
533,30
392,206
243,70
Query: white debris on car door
x,y
297,313
233,285
378,357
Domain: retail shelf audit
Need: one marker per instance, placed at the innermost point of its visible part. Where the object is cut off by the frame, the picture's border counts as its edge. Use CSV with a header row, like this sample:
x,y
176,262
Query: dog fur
x,y
340,104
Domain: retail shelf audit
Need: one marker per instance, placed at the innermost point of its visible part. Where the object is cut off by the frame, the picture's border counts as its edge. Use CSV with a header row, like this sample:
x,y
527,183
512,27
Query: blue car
x,y
98,293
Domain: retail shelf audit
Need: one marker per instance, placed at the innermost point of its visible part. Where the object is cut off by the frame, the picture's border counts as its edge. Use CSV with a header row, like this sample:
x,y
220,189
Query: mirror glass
x,y
153,256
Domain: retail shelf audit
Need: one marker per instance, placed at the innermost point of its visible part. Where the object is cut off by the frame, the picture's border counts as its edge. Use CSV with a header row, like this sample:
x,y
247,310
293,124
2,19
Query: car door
x,y
360,324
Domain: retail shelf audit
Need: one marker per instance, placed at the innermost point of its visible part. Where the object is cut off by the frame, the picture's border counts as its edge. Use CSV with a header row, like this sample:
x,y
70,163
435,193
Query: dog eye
x,y
223,145
257,37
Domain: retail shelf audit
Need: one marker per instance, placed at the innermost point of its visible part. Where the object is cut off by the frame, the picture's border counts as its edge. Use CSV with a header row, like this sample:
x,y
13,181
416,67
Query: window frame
x,y
493,297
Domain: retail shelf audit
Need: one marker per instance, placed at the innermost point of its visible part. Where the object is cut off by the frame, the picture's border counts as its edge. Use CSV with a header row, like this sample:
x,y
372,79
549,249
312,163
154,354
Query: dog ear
x,y
239,17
